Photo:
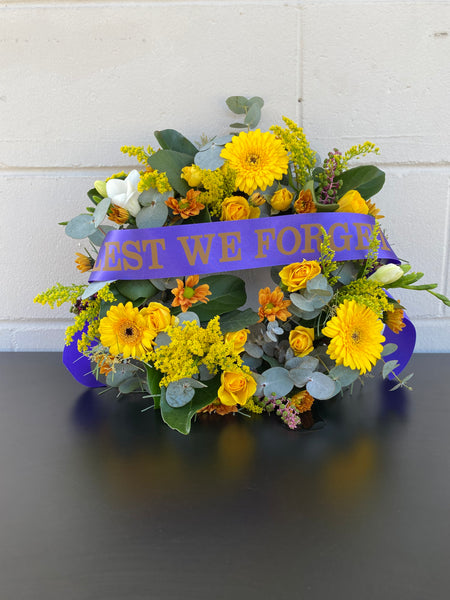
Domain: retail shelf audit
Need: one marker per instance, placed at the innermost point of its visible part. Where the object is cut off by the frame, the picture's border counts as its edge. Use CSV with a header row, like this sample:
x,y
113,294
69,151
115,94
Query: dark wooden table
x,y
99,500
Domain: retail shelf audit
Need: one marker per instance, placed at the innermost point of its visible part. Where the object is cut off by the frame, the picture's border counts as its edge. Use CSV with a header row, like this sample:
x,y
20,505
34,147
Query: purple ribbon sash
x,y
183,250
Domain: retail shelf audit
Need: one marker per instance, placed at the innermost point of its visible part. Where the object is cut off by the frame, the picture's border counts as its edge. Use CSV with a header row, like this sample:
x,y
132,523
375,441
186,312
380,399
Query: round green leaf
x,y
154,215
80,227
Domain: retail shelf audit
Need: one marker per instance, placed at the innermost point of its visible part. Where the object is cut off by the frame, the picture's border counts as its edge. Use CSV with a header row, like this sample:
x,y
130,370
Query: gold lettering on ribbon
x,y
154,251
309,237
280,240
263,242
363,235
347,237
383,242
111,248
198,247
230,245
136,256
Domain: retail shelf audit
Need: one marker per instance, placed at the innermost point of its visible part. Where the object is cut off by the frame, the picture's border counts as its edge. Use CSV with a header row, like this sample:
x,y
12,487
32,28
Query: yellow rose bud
x,y
158,316
296,275
239,338
237,208
301,340
192,174
256,199
237,387
282,199
353,202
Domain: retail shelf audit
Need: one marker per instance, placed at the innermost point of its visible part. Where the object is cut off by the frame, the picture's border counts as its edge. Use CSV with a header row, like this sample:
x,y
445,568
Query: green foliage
x,y
180,418
238,319
251,107
134,289
228,293
366,179
170,139
171,163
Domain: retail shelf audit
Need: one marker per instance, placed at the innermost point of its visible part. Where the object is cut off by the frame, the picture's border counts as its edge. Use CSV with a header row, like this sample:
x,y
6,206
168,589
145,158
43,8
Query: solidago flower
x,y
186,295
356,338
84,263
186,207
394,320
125,331
258,159
273,305
305,203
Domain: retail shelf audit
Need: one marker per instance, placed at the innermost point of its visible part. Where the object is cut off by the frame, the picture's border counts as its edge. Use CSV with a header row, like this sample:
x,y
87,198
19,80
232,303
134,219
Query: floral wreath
x,y
184,341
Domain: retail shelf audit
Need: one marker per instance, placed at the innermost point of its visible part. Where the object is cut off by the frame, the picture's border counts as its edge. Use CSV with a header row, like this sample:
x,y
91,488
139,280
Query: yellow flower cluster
x,y
58,294
190,346
138,151
295,142
219,184
251,406
121,175
89,314
342,160
154,179
368,293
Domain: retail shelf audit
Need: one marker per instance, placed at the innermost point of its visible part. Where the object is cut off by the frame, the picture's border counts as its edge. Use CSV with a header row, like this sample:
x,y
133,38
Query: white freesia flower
x,y
387,274
124,192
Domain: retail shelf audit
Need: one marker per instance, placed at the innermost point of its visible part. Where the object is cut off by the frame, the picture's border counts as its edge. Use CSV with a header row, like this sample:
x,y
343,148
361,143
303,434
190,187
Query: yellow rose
x,y
301,340
282,199
237,208
296,275
353,202
158,316
238,338
192,174
237,387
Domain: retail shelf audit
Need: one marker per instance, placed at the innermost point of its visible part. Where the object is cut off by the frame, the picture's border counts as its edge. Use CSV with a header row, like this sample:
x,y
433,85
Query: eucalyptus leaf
x,y
101,211
130,385
94,287
237,104
98,237
152,196
210,159
389,349
322,387
253,350
188,317
388,367
251,362
276,382
153,378
162,339
238,125
180,418
345,375
253,115
80,227
121,373
301,302
179,393
300,376
154,215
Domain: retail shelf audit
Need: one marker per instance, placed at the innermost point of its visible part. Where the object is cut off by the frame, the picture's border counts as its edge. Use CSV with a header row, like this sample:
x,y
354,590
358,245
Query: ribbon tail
x,y
79,365
405,341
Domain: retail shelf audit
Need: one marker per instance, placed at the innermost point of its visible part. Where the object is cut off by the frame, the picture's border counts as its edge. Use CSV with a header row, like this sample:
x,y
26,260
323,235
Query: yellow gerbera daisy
x,y
125,331
257,158
356,338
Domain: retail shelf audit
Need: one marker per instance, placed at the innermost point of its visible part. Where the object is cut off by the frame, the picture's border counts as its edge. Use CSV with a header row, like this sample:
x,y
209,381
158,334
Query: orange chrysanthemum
x,y
186,295
305,203
394,320
218,408
186,207
118,215
273,305
302,401
84,263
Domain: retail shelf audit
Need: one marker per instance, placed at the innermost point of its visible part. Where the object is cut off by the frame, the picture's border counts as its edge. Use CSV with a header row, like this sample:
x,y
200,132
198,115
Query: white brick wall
x,y
80,79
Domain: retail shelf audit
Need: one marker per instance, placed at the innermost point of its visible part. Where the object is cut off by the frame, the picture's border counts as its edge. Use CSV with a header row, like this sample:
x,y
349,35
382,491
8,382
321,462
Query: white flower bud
x,y
387,274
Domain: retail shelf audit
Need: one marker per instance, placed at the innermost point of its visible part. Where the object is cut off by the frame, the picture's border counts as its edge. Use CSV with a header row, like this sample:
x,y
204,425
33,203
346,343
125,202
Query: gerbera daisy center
x,y
253,159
